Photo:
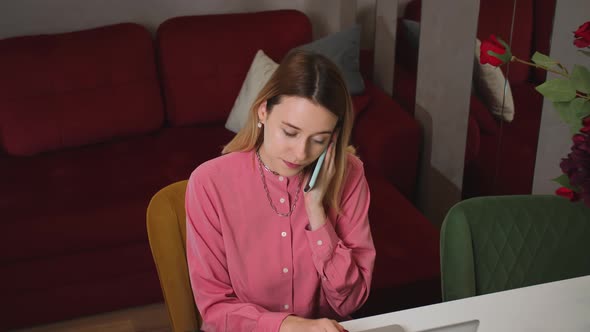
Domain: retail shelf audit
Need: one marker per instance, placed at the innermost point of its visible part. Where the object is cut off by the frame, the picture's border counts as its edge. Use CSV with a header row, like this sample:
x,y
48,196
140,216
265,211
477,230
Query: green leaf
x,y
583,108
573,112
557,90
507,56
562,109
543,60
587,53
564,181
579,109
568,112
581,78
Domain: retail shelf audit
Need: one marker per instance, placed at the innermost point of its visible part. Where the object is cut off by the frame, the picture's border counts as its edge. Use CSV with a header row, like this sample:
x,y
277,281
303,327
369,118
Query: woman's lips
x,y
291,165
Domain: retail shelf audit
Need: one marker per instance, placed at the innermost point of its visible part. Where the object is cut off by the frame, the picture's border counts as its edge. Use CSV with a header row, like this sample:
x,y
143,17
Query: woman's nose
x,y
301,150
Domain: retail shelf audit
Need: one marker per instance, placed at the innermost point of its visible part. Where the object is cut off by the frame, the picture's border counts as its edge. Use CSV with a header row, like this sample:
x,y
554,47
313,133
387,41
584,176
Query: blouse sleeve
x,y
343,251
215,298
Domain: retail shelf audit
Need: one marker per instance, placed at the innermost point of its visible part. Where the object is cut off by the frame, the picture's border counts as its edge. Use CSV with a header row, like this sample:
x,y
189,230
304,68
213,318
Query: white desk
x,y
562,306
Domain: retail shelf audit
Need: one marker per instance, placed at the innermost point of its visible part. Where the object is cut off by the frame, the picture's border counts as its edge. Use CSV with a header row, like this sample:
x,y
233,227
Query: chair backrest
x,y
495,243
166,226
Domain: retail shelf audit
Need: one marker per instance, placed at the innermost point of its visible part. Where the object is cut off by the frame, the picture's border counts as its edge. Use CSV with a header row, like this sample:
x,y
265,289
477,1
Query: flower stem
x,y
538,66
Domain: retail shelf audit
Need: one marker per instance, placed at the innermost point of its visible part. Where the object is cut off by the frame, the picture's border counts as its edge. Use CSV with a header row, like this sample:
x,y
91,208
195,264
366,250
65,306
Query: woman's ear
x,y
262,113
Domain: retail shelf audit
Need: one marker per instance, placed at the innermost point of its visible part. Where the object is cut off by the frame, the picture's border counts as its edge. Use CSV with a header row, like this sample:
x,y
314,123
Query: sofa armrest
x,y
402,237
388,140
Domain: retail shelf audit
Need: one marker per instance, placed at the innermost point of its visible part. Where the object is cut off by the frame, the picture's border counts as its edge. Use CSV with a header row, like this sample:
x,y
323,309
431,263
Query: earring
x,y
259,124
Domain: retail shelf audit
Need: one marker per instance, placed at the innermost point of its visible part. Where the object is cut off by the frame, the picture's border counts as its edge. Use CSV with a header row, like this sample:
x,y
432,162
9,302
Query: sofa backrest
x,y
76,88
204,59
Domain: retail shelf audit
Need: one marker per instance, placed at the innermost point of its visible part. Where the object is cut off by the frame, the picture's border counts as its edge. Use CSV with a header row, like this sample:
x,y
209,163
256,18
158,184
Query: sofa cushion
x,y
492,86
342,48
473,139
485,120
259,73
95,196
384,134
527,121
77,88
204,59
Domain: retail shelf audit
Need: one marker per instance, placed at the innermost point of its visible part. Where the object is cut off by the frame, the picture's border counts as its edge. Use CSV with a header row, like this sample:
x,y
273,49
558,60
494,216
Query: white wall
x,y
445,64
554,137
25,17
29,17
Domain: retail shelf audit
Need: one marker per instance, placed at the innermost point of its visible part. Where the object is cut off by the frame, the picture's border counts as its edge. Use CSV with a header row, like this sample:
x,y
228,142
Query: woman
x,y
262,254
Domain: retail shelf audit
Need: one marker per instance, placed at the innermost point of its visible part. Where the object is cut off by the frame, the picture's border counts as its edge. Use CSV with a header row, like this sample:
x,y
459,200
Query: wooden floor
x,y
151,318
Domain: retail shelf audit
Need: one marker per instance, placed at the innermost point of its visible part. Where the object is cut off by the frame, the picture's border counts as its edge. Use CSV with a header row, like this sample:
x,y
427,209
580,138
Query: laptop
x,y
468,326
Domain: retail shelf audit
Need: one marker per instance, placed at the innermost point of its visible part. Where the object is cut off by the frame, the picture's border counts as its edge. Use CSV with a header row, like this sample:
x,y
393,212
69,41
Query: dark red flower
x,y
501,52
582,35
567,193
579,138
577,167
586,124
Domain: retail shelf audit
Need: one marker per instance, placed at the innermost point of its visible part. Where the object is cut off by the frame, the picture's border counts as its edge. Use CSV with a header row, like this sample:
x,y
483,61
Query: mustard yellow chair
x,y
166,226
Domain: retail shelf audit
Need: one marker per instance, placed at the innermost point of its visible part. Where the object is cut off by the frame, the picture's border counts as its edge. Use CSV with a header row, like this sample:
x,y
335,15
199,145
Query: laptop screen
x,y
468,326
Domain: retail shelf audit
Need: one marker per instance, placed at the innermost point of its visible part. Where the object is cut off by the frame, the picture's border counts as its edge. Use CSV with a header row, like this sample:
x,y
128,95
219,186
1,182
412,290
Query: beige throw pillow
x,y
259,73
493,88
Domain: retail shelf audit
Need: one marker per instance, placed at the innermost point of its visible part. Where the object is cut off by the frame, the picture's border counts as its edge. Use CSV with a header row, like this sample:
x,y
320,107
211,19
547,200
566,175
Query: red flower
x,y
579,139
567,193
499,49
582,35
577,168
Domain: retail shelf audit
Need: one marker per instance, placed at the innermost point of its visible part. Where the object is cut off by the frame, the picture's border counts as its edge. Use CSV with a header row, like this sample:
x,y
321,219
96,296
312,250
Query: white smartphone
x,y
316,171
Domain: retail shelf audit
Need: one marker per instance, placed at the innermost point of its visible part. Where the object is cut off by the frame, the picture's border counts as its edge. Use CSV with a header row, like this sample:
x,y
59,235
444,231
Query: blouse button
x,y
283,234
286,306
320,242
282,200
285,270
281,178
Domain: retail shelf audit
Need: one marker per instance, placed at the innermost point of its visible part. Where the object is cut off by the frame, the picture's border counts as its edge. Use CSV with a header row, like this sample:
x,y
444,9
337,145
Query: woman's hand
x,y
296,324
315,197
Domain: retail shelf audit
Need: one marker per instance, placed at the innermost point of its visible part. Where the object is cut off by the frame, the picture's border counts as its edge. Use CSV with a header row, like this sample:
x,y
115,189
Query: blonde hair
x,y
314,77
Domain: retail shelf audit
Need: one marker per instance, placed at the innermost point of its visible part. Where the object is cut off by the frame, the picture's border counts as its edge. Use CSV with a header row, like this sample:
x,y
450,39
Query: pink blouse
x,y
250,267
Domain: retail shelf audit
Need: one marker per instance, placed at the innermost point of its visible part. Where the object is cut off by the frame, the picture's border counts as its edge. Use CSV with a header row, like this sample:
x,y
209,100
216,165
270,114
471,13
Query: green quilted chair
x,y
495,243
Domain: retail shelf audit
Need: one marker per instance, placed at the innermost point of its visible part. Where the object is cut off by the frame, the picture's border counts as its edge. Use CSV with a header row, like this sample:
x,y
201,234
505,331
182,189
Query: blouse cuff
x,y
271,321
323,241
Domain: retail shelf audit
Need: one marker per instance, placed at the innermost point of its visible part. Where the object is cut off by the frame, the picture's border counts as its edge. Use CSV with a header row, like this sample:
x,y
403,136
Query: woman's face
x,y
296,132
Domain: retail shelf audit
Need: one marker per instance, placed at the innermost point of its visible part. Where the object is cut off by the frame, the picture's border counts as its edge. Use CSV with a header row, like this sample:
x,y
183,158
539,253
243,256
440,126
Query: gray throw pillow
x,y
412,30
342,48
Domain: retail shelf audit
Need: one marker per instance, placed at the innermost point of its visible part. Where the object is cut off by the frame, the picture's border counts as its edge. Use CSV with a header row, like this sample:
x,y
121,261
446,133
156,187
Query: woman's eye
x,y
289,134
320,142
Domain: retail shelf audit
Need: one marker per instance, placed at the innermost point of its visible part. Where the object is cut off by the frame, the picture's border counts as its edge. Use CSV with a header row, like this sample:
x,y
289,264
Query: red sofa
x,y
499,156
94,122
